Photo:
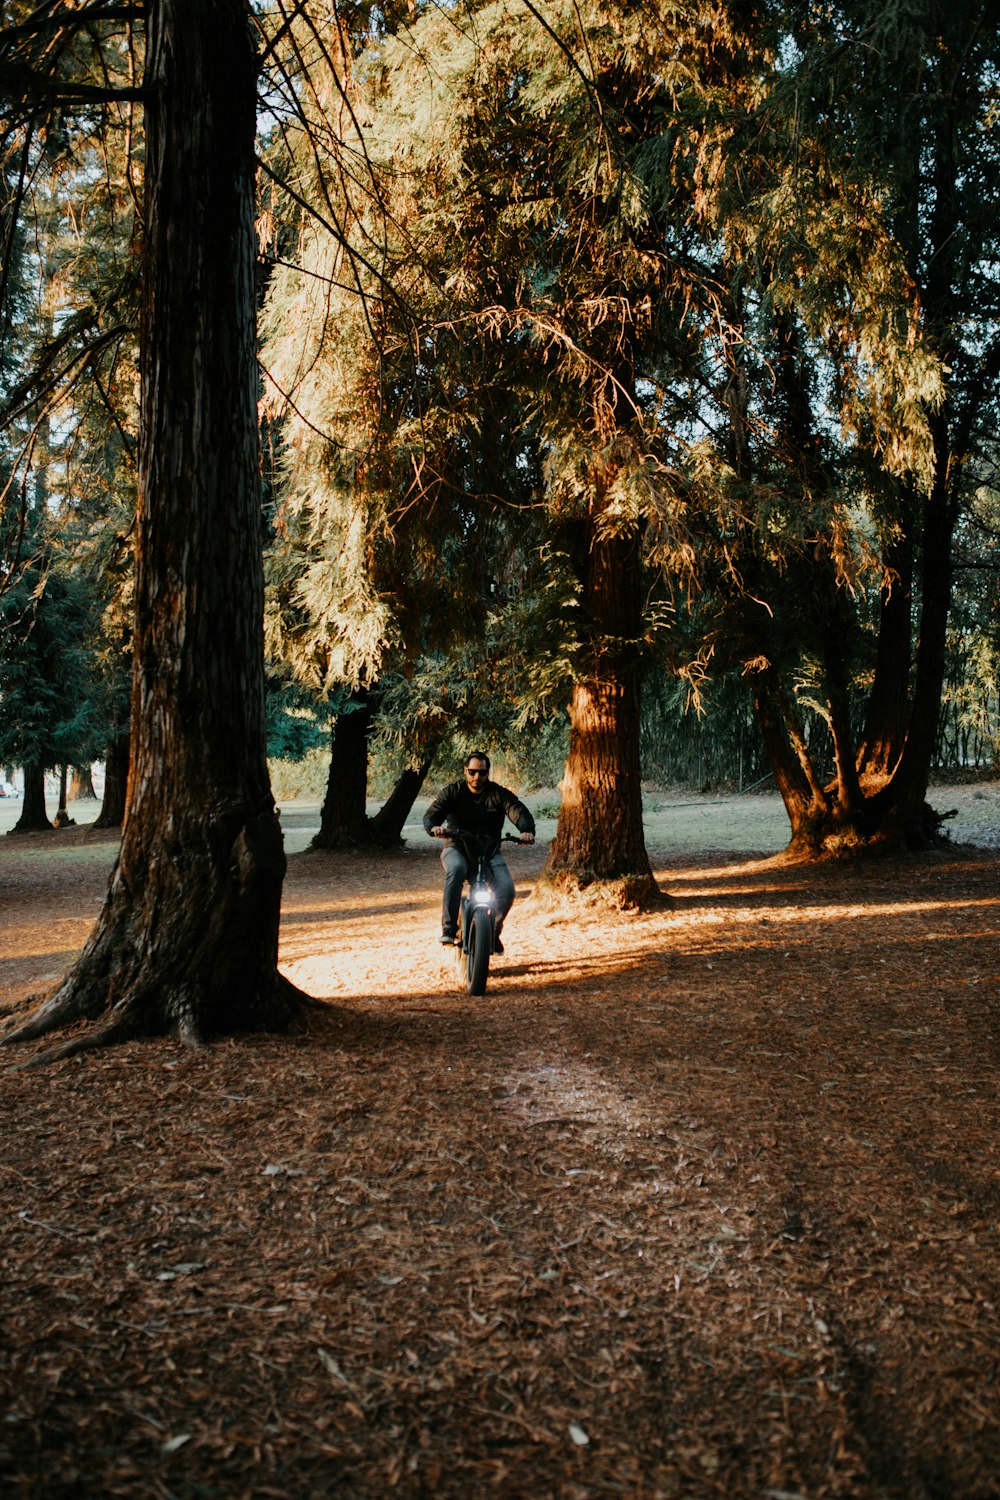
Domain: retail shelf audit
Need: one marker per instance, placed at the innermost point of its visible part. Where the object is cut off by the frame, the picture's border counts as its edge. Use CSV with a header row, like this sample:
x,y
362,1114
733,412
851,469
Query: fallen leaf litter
x,y
701,1203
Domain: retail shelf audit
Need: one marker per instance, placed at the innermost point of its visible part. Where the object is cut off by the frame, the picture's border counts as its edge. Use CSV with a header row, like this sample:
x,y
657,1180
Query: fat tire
x,y
460,943
480,940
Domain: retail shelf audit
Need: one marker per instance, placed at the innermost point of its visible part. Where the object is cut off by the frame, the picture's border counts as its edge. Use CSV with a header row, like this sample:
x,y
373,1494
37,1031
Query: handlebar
x,y
466,833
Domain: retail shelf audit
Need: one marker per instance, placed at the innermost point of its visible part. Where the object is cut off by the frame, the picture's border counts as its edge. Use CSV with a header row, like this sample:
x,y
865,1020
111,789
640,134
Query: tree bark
x,y
888,702
884,805
344,819
187,938
906,817
599,835
34,818
116,761
902,722
386,827
81,787
62,817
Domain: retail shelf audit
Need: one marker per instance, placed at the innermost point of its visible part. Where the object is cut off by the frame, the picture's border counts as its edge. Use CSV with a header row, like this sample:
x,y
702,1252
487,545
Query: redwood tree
x,y
187,938
870,415
509,293
599,834
344,814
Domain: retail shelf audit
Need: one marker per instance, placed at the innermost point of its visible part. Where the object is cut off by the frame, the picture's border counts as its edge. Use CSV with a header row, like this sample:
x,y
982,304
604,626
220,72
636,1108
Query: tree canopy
x,y
713,287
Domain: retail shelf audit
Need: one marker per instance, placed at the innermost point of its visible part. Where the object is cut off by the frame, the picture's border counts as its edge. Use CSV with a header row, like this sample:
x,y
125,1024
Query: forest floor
x,y
703,1203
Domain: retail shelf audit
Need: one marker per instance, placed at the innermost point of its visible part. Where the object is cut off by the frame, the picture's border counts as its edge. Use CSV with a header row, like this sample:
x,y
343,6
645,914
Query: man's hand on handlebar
x,y
442,831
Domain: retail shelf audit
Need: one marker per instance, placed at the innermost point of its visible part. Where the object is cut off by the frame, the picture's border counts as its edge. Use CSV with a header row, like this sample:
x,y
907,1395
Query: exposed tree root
x,y
309,1002
146,1009
844,840
867,835
363,836
61,1008
568,890
186,946
108,1035
190,1033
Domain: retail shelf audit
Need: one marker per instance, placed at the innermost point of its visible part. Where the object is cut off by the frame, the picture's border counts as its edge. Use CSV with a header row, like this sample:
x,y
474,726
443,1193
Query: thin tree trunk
x,y
34,818
888,702
806,801
62,817
386,827
906,818
187,939
116,762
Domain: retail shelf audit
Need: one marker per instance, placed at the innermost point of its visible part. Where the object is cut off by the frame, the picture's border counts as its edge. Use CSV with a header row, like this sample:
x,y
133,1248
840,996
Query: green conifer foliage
x,y
402,506
856,212
519,287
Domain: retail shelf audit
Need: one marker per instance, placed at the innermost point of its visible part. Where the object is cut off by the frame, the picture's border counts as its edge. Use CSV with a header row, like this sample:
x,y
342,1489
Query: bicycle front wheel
x,y
480,946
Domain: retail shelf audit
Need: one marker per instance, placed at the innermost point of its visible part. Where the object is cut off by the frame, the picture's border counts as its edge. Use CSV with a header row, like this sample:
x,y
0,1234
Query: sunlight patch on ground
x,y
778,912
332,902
60,941
317,976
544,1090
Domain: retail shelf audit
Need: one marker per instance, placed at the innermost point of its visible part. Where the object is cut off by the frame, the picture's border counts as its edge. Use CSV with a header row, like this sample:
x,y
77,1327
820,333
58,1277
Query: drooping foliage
x,y
860,309
400,528
510,290
597,337
680,262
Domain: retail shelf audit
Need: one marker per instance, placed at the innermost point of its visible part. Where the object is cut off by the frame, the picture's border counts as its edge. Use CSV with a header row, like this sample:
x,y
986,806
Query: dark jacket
x,y
483,813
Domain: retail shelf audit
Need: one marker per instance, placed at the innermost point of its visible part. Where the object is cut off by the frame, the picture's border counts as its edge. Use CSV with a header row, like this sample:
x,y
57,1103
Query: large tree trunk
x,y
81,787
905,816
116,761
888,702
885,806
895,756
187,939
599,836
34,818
344,819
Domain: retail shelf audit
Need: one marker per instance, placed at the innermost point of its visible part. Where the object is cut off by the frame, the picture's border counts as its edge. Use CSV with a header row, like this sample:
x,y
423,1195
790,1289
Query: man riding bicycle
x,y
477,805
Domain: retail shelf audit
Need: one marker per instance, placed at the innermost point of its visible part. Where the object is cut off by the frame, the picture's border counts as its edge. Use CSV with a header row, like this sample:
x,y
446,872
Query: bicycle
x,y
477,913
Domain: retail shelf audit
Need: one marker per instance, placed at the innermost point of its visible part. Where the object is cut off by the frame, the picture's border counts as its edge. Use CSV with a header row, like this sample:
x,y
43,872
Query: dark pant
x,y
456,868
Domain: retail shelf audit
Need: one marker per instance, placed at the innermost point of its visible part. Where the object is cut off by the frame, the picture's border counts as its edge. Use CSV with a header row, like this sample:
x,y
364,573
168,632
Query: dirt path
x,y
705,1203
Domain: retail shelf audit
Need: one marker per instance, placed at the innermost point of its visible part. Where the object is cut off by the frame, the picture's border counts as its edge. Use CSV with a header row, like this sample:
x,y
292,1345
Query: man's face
x,y
476,773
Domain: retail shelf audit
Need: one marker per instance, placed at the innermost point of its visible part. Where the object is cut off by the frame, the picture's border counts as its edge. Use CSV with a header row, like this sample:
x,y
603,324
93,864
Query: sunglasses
x,y
475,773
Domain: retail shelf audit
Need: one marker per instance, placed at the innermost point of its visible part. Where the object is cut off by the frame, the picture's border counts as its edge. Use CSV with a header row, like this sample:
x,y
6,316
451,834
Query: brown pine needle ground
x,y
701,1203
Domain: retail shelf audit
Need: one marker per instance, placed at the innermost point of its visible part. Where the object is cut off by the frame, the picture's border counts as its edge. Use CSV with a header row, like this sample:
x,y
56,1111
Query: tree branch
x,y
64,20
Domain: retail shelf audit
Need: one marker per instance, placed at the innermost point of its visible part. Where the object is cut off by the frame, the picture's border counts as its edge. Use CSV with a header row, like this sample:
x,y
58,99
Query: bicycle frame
x,y
479,851
477,914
